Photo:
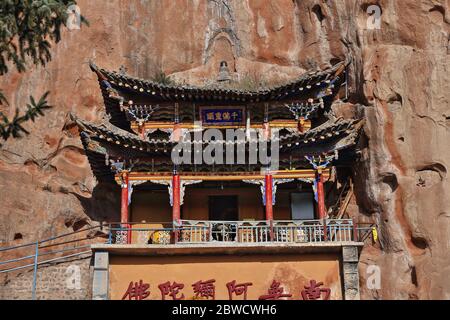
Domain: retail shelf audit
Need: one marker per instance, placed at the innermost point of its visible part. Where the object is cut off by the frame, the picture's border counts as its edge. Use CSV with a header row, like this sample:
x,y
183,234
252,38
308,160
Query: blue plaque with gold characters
x,y
226,116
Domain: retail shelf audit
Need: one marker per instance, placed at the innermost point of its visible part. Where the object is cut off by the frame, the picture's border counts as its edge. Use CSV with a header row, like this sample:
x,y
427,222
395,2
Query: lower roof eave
x,y
223,249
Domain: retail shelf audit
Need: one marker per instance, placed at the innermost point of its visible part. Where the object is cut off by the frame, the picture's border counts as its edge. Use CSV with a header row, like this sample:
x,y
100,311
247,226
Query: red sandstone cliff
x,y
400,73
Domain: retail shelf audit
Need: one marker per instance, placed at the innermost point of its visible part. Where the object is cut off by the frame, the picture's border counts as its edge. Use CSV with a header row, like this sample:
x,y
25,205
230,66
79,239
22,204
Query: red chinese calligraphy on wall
x,y
315,292
137,291
205,289
238,289
275,292
171,290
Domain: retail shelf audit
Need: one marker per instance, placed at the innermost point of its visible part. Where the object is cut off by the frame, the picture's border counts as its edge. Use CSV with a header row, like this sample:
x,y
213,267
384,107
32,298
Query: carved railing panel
x,y
241,232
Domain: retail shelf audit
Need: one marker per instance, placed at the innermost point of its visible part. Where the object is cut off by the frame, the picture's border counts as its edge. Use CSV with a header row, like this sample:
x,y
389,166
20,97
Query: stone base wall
x,y
68,280
350,260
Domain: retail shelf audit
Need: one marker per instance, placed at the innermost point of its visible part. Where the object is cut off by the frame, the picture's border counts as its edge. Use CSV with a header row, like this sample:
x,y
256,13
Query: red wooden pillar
x,y
321,203
176,198
124,215
320,195
176,208
269,203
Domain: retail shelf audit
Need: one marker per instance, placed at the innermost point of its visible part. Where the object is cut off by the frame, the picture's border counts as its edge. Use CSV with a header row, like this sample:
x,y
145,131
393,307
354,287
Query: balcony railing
x,y
235,232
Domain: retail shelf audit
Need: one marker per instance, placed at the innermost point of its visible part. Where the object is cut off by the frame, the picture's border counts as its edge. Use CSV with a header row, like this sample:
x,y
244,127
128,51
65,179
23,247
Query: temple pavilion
x,y
215,180
222,201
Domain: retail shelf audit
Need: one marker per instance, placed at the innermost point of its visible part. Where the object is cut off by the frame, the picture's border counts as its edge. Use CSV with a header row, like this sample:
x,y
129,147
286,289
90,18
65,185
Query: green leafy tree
x,y
27,30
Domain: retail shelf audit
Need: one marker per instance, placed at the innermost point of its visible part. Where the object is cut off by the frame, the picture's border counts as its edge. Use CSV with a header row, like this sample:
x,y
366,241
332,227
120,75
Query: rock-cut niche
x,y
221,48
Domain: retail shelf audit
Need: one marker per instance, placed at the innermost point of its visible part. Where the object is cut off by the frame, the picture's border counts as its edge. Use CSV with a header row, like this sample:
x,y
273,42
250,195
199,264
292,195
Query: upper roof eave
x,y
308,82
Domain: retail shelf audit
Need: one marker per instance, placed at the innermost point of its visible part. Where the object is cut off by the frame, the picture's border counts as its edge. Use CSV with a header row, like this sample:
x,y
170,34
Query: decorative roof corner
x,y
94,68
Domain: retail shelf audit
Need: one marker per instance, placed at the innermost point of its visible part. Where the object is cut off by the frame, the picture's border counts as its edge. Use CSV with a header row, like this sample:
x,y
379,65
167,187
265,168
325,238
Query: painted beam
x,y
238,176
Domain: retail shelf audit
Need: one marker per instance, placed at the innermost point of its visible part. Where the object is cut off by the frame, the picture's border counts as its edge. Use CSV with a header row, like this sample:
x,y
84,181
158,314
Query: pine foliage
x,y
14,128
27,30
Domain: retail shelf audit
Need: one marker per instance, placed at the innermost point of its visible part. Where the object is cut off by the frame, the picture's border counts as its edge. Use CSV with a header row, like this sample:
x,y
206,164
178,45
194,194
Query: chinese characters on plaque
x,y
222,116
206,290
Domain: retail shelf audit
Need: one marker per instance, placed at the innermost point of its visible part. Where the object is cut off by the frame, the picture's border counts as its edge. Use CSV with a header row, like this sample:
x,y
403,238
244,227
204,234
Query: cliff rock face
x,y
400,75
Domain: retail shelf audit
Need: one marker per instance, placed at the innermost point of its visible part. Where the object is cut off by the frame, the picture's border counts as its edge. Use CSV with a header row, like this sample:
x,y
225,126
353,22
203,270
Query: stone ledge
x,y
226,249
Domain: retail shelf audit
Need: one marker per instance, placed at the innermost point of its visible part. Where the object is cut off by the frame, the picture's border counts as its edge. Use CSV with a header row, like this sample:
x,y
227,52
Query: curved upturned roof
x,y
304,85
